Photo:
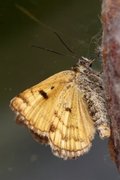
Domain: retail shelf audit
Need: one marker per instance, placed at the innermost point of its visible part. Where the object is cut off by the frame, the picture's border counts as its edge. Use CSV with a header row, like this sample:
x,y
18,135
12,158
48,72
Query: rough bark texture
x,y
111,65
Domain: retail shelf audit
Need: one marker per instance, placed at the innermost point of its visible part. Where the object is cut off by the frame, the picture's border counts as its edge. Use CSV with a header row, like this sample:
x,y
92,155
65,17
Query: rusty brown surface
x,y
111,66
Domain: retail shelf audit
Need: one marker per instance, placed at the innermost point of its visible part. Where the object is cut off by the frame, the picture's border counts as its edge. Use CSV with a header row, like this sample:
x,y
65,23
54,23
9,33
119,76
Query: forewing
x,y
35,106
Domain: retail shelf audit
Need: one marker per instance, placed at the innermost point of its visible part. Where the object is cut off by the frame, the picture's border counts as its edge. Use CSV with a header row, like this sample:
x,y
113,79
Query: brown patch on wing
x,y
44,94
52,128
68,109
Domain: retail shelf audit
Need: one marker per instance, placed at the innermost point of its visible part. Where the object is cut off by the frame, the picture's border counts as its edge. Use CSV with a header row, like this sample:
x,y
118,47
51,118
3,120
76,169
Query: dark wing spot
x,y
68,109
52,87
52,128
44,94
55,113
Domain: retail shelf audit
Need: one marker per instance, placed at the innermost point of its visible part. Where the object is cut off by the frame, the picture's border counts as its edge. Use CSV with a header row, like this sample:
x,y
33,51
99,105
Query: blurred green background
x,y
22,66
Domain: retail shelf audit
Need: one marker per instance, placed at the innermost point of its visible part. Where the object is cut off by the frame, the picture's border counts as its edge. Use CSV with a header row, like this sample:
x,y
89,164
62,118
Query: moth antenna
x,y
56,52
31,16
63,42
49,50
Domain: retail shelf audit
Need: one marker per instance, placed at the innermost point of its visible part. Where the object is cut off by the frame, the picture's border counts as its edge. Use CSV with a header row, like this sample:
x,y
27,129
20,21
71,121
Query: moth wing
x,y
35,106
55,111
72,129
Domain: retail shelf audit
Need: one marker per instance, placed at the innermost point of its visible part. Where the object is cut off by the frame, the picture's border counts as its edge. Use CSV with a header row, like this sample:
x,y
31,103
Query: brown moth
x,y
65,110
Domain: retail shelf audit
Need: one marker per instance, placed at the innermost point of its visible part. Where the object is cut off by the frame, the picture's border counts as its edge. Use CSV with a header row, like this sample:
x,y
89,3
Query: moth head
x,y
83,64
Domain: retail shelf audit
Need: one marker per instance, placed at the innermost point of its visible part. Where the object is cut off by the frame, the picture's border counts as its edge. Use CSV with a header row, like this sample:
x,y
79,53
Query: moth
x,y
65,110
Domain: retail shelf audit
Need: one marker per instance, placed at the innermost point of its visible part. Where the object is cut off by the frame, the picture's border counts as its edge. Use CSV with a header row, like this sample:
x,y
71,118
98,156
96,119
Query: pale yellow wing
x,y
38,100
72,129
56,113
35,106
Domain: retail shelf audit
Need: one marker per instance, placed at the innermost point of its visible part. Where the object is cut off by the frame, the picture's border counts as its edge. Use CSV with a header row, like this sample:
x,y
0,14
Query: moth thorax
x,y
83,65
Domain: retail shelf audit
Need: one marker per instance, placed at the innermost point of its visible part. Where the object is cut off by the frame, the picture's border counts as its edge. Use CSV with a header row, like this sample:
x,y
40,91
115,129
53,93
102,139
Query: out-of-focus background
x,y
32,22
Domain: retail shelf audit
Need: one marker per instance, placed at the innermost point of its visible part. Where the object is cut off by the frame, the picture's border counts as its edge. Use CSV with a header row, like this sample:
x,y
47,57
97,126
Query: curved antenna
x,y
31,16
49,50
63,42
56,52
